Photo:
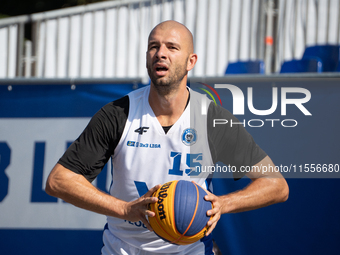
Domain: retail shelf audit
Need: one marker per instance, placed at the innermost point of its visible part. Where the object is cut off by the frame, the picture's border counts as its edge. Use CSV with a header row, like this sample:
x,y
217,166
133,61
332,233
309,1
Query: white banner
x,y
34,146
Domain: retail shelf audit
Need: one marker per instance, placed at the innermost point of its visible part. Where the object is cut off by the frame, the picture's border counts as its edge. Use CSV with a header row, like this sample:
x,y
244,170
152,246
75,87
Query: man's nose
x,y
162,52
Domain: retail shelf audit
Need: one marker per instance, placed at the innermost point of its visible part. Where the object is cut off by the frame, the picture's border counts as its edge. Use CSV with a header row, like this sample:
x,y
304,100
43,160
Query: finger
x,y
148,200
210,197
152,190
213,220
213,211
146,223
210,229
149,213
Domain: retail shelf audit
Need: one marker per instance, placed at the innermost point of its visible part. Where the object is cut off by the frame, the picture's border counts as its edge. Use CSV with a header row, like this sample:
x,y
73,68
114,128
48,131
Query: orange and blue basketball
x,y
181,212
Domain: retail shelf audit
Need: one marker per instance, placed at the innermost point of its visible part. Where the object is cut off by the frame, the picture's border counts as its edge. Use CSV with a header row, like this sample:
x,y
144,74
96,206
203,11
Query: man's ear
x,y
191,61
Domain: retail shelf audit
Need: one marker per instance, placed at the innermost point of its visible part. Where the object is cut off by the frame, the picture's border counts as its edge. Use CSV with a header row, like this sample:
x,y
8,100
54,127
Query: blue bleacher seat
x,y
302,65
329,55
246,67
338,68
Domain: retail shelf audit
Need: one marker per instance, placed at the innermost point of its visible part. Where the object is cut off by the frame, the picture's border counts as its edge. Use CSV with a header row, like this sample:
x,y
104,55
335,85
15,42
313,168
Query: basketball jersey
x,y
146,156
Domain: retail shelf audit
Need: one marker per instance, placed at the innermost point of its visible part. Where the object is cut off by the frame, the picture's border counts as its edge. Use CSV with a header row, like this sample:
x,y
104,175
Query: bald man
x,y
158,114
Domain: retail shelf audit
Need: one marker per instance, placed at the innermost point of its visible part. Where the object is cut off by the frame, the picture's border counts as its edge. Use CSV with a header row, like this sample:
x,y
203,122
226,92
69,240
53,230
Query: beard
x,y
166,84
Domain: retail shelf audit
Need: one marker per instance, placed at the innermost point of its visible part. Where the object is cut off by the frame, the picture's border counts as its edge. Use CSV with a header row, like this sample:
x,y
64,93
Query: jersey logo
x,y
189,136
141,130
131,143
143,145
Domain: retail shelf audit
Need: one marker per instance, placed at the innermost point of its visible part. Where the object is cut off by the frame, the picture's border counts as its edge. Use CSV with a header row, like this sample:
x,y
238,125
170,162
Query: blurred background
x,y
108,38
61,61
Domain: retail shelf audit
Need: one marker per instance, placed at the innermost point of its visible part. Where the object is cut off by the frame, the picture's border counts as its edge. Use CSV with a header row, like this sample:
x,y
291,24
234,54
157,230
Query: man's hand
x,y
265,188
137,210
75,189
215,212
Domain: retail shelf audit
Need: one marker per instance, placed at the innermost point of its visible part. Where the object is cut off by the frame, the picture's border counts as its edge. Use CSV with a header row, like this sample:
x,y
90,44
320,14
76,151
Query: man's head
x,y
170,55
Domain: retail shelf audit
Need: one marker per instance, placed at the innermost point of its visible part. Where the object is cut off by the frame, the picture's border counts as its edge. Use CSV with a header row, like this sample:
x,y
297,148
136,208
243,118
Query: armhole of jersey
x,y
210,140
129,104
133,99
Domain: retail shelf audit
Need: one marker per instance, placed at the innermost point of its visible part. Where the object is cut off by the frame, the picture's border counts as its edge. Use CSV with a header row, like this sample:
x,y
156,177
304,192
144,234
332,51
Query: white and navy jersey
x,y
144,155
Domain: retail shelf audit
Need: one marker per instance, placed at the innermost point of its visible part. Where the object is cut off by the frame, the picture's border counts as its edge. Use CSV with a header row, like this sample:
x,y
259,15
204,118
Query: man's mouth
x,y
161,69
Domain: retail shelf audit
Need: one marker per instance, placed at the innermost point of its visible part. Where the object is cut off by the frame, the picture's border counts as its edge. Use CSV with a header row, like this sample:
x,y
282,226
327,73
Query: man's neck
x,y
168,108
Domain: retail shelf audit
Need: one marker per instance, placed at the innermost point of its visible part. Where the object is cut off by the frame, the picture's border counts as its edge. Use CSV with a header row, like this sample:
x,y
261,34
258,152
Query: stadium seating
x,y
329,55
246,67
302,65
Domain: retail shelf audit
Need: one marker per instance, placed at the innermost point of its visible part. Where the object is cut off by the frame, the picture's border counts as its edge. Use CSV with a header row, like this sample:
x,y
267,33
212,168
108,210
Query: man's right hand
x,y
137,210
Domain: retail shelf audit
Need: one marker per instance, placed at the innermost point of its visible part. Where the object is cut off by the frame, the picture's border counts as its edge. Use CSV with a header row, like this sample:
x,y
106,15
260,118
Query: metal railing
x,y
108,39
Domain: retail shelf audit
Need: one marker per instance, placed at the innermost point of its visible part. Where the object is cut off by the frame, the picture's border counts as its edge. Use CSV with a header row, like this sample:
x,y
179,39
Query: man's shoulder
x,y
117,104
118,108
122,105
139,93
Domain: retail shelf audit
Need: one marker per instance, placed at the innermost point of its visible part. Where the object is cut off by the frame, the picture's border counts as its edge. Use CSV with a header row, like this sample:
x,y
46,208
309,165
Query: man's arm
x,y
75,189
266,188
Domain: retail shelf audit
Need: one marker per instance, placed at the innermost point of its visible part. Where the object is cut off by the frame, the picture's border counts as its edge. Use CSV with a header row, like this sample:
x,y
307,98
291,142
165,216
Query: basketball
x,y
181,212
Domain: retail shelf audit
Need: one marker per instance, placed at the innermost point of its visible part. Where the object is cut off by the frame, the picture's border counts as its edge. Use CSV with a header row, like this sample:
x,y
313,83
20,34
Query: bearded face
x,y
167,58
166,76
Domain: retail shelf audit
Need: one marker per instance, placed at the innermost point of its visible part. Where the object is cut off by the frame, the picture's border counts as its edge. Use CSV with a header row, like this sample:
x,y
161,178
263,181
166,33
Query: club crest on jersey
x,y
189,136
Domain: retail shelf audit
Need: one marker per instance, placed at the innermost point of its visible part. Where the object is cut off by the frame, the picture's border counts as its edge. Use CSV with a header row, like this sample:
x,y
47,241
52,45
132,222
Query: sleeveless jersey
x,y
145,156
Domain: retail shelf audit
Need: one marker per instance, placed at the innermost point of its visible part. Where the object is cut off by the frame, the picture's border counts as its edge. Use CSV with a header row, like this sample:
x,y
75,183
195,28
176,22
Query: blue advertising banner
x,y
294,120
37,124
